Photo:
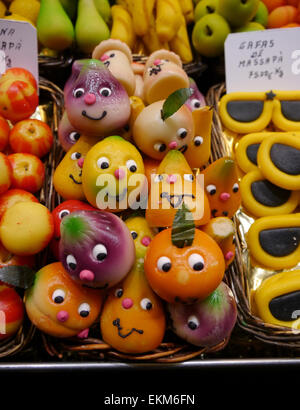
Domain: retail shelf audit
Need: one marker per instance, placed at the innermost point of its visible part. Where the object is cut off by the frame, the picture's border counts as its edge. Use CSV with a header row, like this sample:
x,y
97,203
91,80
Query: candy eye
x,y
78,92
189,177
58,296
119,293
146,304
158,178
211,189
131,165
181,133
71,262
164,264
134,234
193,322
74,136
63,213
105,91
75,155
84,309
198,141
235,187
103,163
196,103
99,252
196,261
160,147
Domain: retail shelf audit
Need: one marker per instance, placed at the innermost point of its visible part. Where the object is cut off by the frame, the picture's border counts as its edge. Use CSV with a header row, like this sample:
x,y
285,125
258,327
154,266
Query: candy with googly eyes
x,y
183,263
199,148
96,103
197,99
173,185
278,159
96,248
207,322
155,136
113,176
276,300
133,318
67,178
222,230
60,307
163,75
141,233
273,241
67,135
261,197
222,187
117,57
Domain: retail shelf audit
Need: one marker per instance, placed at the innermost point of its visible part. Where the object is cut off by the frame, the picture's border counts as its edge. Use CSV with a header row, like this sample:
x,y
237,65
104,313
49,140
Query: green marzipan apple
x,y
205,7
251,26
262,14
237,12
209,34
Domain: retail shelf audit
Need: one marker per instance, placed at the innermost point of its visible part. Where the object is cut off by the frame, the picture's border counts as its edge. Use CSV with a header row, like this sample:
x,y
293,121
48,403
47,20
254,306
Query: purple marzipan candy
x,y
207,322
96,248
67,135
96,102
197,99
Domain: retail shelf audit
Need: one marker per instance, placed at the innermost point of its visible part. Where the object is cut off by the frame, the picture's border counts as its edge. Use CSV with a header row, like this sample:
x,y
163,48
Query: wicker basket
x,y
49,110
238,272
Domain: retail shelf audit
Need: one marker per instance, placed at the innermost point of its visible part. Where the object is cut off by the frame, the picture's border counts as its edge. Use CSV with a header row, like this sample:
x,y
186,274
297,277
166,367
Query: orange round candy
x,y
282,16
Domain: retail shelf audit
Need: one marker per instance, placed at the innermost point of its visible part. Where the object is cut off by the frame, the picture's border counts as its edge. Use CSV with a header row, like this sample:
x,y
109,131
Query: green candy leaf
x,y
183,229
175,101
18,276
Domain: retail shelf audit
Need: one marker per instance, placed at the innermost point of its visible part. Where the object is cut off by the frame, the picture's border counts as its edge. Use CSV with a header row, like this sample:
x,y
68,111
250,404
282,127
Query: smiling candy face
x,y
106,172
141,233
222,187
155,137
96,103
60,307
96,248
67,178
133,319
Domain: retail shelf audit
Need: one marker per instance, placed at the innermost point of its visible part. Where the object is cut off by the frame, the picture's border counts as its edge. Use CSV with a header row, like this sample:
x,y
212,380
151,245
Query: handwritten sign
x,y
18,46
263,60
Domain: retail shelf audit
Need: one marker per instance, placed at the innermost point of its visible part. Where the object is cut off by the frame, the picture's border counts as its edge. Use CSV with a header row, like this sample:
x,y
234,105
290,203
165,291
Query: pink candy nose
x,y
228,255
171,179
89,99
104,57
173,145
62,316
80,162
87,275
146,240
157,61
119,173
127,303
224,196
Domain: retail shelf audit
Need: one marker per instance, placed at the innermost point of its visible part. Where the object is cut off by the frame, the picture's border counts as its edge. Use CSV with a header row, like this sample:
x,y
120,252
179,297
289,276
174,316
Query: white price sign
x,y
263,60
18,46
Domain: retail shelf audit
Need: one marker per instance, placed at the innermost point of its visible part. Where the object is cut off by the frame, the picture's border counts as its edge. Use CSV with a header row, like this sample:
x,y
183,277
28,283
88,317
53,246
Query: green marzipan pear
x,y
90,28
54,27
103,8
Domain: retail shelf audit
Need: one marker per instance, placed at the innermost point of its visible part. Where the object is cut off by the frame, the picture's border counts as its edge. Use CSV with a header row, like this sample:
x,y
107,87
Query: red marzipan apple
x,y
5,173
4,133
12,196
28,172
31,136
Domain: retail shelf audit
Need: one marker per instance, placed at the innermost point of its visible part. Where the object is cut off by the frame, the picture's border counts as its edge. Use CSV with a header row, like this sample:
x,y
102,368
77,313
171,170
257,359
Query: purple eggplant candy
x,y
197,99
206,322
96,102
67,134
96,248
